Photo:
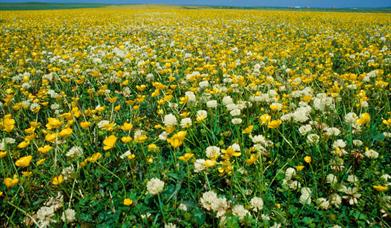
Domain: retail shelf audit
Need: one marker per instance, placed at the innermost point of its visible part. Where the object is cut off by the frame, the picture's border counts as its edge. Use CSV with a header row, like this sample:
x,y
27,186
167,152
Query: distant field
x,y
47,6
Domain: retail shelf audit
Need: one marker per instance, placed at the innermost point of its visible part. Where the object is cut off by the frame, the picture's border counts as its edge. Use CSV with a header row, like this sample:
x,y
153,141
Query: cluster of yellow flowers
x,y
274,106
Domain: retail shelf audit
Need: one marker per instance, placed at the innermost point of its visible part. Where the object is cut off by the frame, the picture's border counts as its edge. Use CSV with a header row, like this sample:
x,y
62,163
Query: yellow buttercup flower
x,y
127,202
93,158
10,182
45,149
8,123
65,132
3,154
364,119
177,139
23,144
127,126
24,161
85,124
265,118
380,188
53,123
308,159
186,156
57,180
274,124
109,142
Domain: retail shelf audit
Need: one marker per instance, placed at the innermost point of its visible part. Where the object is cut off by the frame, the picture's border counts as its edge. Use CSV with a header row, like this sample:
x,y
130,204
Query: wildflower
x,y
75,151
364,119
170,120
199,165
10,182
371,154
85,124
155,186
274,124
8,123
186,156
331,179
312,138
236,121
265,118
57,180
23,144
212,152
201,115
211,104
3,154
240,211
305,197
256,204
24,161
65,132
380,188
127,202
109,142
323,203
45,149
177,139
186,123
68,216
248,130
308,159
94,157
53,123
305,129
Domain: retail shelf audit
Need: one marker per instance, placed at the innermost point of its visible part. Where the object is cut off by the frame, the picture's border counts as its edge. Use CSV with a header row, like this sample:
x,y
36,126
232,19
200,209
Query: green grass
x,y
46,6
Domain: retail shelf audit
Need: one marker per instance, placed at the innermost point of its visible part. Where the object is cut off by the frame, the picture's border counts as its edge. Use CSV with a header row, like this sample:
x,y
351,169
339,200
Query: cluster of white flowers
x,y
211,202
155,186
75,151
170,120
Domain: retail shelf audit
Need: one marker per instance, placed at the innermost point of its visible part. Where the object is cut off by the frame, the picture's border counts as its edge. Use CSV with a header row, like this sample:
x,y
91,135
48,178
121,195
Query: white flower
x,y
182,207
236,147
235,112
75,151
126,154
67,172
211,104
212,152
170,120
305,129
68,216
163,136
335,200
332,131
289,173
155,186
190,96
305,197
352,179
371,154
323,203
103,123
201,114
339,144
256,204
203,84
236,121
199,165
357,142
240,211
44,216
186,123
351,118
312,138
208,199
331,179
227,100
322,101
170,225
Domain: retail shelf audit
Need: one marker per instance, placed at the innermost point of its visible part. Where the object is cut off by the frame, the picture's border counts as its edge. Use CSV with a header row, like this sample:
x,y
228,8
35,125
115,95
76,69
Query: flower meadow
x,y
174,117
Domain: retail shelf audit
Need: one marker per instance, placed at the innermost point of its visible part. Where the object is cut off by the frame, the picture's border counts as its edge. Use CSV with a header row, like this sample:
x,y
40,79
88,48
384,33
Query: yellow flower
x,y
177,139
8,123
126,139
248,130
51,137
210,163
27,173
265,119
308,159
23,144
65,132
57,180
109,142
253,158
274,124
3,154
94,157
85,124
127,126
10,182
45,149
153,147
24,161
364,119
186,156
53,123
128,202
380,188
41,161
1,193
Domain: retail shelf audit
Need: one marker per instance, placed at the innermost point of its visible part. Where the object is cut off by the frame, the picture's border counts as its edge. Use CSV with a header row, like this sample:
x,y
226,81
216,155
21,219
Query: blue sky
x,y
278,3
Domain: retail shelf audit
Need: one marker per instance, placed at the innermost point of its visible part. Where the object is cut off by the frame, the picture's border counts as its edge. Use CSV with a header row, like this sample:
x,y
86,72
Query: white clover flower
x,y
312,138
339,144
68,216
352,179
236,121
256,204
182,207
323,203
75,151
235,112
208,199
186,123
126,154
212,152
190,97
169,225
227,100
103,123
240,211
331,179
335,200
305,197
289,173
155,186
305,129
371,154
332,131
211,104
170,120
203,84
201,114
163,136
357,142
351,118
199,165
236,147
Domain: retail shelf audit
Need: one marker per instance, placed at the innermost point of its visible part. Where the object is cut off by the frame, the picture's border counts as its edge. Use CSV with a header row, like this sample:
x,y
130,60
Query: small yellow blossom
x,y
109,142
24,161
128,202
57,180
